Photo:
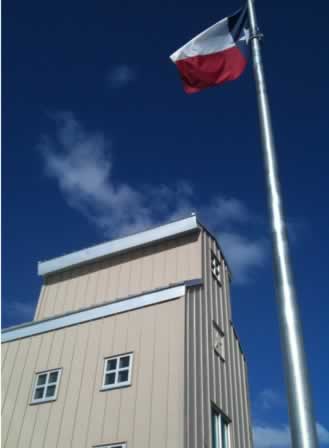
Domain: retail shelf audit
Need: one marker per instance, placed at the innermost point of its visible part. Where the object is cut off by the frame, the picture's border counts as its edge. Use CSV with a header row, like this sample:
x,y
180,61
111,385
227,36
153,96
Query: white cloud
x,y
279,437
269,399
19,310
80,161
323,434
229,217
228,210
120,76
243,253
271,437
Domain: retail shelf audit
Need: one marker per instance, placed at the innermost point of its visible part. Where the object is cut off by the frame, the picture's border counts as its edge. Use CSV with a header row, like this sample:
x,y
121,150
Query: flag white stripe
x,y
212,40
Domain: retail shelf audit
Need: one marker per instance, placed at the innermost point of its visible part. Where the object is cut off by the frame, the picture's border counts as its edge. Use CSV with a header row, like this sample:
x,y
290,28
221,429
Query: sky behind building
x,y
99,140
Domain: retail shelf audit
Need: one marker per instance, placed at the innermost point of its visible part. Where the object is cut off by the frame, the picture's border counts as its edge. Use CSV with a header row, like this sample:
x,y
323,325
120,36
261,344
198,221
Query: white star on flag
x,y
246,35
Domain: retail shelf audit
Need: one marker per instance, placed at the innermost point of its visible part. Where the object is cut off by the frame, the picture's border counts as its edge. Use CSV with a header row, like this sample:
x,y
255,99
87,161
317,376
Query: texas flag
x,y
216,55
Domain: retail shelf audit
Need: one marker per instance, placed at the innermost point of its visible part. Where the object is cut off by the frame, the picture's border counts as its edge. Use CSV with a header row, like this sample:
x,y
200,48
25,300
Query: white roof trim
x,y
120,245
133,303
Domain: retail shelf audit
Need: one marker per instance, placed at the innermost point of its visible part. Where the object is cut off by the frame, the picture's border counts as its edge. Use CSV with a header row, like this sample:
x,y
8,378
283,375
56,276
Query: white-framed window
x,y
218,341
220,430
117,371
112,445
46,386
215,267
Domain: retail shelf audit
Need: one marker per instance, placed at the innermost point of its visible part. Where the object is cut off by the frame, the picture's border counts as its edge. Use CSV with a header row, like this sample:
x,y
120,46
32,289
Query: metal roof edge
x,y
93,313
119,245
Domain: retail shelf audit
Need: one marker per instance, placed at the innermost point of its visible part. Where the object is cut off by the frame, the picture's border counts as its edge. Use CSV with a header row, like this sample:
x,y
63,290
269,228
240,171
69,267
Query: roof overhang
x,y
78,317
161,233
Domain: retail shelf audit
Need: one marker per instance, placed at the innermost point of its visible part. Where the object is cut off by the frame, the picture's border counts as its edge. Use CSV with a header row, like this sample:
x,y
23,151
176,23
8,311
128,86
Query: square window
x,y
215,267
117,371
46,386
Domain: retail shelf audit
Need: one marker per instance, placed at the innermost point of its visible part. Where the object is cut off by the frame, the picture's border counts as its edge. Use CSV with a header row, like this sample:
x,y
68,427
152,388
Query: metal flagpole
x,y
302,423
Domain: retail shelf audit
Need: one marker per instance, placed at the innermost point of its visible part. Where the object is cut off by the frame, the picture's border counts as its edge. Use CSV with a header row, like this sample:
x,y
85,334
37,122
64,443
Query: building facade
x,y
132,346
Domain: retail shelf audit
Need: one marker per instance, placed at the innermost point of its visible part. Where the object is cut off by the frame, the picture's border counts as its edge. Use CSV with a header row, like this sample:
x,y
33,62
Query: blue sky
x,y
99,139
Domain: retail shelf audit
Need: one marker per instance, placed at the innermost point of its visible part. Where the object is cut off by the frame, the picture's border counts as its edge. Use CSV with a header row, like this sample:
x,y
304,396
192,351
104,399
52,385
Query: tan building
x,y
132,346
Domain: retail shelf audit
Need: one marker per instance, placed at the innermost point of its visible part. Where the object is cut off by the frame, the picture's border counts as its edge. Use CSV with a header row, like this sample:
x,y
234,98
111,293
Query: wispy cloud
x,y
268,436
81,163
120,76
228,211
271,437
230,218
244,254
18,310
269,399
323,434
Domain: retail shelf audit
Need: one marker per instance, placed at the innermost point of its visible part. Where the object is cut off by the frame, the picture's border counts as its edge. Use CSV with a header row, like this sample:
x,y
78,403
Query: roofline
x,y
97,312
117,246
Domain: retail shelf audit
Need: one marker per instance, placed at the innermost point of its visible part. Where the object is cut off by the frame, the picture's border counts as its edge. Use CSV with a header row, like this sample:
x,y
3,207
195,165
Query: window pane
x,y
123,376
110,378
38,393
124,362
224,434
215,429
111,364
53,377
41,379
50,391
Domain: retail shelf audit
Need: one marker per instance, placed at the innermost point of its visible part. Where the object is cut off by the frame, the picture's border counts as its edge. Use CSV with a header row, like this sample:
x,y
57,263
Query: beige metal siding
x,y
146,414
209,379
132,273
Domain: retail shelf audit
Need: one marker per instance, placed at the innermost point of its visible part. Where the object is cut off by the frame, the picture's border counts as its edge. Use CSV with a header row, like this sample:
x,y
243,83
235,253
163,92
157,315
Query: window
x,y
220,430
215,267
46,386
117,372
218,341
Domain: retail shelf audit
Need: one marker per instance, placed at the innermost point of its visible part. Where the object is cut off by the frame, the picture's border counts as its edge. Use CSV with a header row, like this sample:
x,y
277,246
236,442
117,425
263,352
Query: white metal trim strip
x,y
94,313
120,245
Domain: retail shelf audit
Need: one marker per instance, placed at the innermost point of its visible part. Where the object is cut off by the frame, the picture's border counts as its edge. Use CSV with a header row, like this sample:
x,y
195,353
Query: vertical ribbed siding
x,y
147,414
209,379
194,405
130,273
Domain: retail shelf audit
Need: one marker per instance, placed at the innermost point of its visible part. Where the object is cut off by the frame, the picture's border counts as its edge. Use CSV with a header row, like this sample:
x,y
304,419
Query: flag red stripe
x,y
199,72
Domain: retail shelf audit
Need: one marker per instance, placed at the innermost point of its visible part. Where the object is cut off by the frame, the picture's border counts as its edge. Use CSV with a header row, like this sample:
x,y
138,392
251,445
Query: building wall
x,y
132,273
209,379
149,413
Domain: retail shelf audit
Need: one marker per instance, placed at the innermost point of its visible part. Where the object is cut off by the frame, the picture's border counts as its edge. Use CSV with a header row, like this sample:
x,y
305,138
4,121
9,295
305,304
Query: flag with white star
x,y
217,55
